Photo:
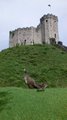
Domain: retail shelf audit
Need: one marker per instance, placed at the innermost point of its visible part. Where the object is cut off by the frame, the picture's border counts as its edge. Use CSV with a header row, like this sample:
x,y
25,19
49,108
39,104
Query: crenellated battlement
x,y
45,32
48,16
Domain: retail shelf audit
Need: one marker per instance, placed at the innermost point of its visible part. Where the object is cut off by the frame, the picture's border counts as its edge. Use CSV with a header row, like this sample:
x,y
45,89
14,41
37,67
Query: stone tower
x,y
45,32
49,29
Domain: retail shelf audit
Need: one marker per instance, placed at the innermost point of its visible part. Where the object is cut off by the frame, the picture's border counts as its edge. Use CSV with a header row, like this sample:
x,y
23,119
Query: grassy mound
x,y
26,104
43,62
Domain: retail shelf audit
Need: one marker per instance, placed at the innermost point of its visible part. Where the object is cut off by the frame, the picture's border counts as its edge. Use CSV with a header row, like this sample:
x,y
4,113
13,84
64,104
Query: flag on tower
x,y
49,5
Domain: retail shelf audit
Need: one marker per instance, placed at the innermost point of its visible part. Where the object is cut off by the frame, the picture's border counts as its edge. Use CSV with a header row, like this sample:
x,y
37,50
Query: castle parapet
x,y
45,32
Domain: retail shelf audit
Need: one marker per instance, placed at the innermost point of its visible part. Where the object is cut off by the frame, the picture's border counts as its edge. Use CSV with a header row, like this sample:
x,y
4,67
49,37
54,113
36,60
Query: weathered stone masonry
x,y
45,32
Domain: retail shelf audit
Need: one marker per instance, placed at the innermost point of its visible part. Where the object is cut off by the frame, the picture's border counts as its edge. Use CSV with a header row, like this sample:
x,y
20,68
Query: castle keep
x,y
45,32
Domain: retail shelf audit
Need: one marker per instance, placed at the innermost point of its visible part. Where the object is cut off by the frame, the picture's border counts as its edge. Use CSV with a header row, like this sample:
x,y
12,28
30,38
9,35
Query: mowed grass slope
x,y
26,104
43,62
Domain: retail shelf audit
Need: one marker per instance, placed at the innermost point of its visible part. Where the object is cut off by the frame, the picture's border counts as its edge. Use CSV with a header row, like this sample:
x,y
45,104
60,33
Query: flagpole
x,y
49,8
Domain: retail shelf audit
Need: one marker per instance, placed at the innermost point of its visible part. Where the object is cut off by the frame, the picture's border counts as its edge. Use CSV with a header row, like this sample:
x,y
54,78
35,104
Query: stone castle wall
x,y
49,28
45,32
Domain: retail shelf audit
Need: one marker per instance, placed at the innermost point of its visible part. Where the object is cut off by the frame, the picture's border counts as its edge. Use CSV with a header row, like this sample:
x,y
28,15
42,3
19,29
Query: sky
x,y
25,13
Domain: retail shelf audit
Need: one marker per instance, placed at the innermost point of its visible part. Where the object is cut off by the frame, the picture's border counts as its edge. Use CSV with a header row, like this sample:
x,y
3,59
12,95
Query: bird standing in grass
x,y
31,82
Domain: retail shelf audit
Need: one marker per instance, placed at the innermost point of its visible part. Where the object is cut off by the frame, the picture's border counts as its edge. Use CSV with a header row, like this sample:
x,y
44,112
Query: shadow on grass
x,y
4,100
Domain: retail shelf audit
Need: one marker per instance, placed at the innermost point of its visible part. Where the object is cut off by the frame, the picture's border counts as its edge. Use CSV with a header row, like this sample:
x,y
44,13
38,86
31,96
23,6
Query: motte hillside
x,y
43,63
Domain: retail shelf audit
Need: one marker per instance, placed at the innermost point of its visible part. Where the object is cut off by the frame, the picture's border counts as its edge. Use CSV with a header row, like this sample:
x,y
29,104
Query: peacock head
x,y
25,71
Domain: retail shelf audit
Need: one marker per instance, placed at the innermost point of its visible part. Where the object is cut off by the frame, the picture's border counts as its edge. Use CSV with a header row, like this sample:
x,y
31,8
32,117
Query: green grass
x,y
26,104
43,62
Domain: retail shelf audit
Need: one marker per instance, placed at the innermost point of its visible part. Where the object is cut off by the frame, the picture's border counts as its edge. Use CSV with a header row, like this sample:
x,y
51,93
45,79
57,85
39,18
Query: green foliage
x,y
26,104
43,62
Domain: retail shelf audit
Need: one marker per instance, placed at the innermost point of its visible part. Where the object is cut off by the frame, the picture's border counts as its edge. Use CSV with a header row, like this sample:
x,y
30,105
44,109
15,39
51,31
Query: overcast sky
x,y
25,13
